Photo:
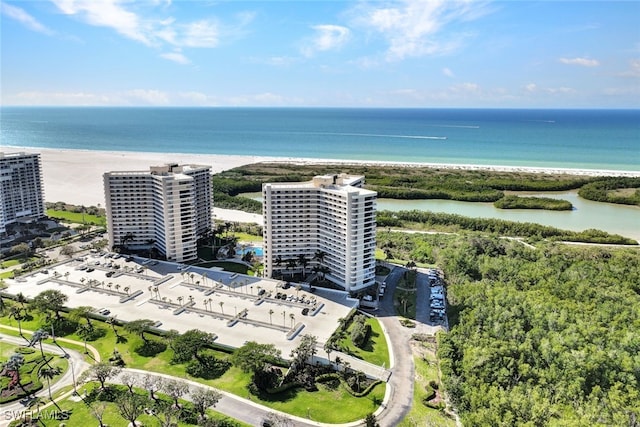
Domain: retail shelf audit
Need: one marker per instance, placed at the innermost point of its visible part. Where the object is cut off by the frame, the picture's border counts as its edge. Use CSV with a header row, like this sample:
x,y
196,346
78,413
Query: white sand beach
x,y
75,176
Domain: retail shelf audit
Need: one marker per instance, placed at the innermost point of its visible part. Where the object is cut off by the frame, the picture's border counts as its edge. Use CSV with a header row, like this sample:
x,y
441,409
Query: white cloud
x,y
159,31
55,99
412,28
465,88
24,18
634,69
196,98
148,97
560,90
447,72
533,88
583,62
200,34
107,13
176,57
327,37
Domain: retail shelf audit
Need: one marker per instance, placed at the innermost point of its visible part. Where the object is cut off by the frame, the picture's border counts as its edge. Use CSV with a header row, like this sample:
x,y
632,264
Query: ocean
x,y
580,139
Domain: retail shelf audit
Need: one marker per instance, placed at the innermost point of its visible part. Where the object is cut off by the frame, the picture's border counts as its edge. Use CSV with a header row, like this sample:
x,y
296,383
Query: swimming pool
x,y
257,250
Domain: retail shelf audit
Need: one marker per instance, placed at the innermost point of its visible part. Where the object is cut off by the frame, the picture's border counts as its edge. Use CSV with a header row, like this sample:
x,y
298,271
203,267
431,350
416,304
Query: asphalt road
x,y
76,361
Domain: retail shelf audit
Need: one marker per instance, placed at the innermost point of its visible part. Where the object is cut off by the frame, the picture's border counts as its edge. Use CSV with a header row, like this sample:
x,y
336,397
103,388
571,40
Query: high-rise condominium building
x,y
21,189
165,209
326,225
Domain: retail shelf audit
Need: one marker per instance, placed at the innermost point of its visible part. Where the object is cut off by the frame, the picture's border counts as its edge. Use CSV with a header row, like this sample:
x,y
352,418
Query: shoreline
x,y
75,176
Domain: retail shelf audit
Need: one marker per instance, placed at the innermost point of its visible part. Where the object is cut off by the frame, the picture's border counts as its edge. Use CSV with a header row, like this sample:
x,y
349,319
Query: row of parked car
x,y
437,297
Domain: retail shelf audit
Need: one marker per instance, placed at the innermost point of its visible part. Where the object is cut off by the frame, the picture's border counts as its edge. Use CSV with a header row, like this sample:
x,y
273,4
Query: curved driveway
x,y
76,362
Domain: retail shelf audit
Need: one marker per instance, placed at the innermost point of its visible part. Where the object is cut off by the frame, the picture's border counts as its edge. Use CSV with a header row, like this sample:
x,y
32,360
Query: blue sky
x,y
505,54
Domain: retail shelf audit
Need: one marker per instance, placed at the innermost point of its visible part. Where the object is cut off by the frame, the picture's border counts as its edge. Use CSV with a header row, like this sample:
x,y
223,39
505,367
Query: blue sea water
x,y
584,139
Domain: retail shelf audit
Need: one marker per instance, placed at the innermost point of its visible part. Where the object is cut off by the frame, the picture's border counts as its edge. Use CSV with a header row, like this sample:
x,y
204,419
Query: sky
x,y
308,53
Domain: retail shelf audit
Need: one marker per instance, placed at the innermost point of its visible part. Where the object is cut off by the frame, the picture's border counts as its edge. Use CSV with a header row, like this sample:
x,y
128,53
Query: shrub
x,y
431,393
150,348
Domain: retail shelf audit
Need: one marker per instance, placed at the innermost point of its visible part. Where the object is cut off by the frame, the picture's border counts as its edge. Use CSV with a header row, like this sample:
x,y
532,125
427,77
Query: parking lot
x,y
235,307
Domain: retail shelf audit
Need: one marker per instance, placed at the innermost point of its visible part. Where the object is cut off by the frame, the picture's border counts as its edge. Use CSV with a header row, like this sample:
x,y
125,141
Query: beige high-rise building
x,y
21,188
328,223
166,209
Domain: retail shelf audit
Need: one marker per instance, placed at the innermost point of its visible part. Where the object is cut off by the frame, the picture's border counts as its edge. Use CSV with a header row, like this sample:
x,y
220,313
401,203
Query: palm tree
x,y
284,318
66,276
291,264
270,316
293,318
36,402
319,255
205,302
204,278
155,289
109,285
221,304
359,376
190,299
180,300
16,314
303,261
38,336
338,362
14,363
112,321
117,287
48,373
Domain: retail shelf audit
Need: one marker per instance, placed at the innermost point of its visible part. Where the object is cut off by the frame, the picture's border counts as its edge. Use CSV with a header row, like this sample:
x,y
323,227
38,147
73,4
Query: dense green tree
x,y
541,334
51,300
187,345
139,327
252,356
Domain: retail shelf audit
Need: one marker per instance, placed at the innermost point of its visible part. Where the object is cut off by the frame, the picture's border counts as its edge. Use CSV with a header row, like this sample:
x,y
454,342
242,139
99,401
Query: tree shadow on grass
x,y
208,367
283,396
150,348
368,346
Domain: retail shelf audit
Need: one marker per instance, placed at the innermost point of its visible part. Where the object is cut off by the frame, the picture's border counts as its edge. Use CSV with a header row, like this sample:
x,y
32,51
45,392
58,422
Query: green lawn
x,y
9,263
77,217
375,350
245,237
